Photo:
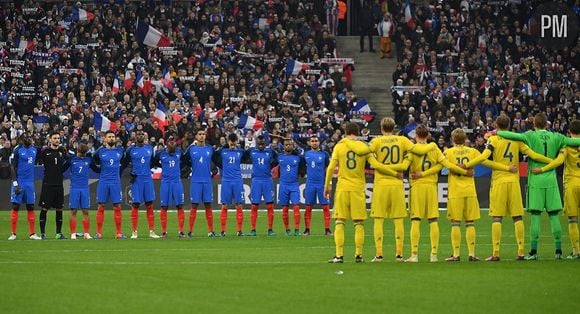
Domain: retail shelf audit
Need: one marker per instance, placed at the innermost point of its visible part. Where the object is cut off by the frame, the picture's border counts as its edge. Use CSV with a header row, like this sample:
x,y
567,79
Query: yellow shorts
x,y
423,201
572,200
505,199
350,204
463,208
388,202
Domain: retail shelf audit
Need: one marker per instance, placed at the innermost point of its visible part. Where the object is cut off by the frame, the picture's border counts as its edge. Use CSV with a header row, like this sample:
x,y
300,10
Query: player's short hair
x,y
503,122
387,124
233,137
458,136
83,148
110,132
351,129
198,130
540,121
422,131
314,137
54,133
575,127
260,137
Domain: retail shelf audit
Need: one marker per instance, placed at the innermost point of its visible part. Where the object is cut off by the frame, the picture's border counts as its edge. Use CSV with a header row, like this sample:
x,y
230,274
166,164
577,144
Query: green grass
x,y
273,275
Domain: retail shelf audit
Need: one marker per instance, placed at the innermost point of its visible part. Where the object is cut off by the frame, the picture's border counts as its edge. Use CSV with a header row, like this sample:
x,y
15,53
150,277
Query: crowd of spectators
x,y
462,63
227,60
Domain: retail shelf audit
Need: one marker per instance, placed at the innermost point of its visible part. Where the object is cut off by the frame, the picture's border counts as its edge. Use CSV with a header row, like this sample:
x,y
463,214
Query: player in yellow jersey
x,y
349,201
423,198
505,196
570,156
462,199
389,191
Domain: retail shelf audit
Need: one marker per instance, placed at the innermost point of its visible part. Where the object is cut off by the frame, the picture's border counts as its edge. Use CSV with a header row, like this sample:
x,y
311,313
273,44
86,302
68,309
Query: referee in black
x,y
53,158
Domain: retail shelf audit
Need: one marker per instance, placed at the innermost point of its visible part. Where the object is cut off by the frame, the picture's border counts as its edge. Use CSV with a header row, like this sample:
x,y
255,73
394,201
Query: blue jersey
x,y
316,163
289,166
140,157
230,163
110,161
23,160
262,162
79,172
170,165
200,158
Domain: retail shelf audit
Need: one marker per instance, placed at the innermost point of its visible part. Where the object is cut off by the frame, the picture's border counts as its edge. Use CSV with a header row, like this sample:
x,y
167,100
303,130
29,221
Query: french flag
x,y
167,81
409,15
149,36
128,82
139,81
82,15
362,107
217,114
247,122
294,67
39,121
116,85
160,116
103,124
25,45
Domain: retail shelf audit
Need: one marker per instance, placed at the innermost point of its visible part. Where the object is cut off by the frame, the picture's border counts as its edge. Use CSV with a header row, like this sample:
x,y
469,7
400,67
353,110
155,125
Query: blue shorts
x,y
232,192
142,190
201,192
288,194
314,191
26,196
109,192
171,194
79,198
262,189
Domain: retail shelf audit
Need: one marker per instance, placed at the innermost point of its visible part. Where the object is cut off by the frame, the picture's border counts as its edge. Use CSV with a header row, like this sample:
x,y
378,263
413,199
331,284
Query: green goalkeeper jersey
x,y
546,143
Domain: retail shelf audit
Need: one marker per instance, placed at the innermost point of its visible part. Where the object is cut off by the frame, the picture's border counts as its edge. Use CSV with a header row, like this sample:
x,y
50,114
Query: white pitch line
x,y
160,250
157,263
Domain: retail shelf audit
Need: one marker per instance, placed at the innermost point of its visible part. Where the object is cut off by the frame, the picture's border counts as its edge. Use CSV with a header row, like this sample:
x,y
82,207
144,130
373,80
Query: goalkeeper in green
x,y
542,191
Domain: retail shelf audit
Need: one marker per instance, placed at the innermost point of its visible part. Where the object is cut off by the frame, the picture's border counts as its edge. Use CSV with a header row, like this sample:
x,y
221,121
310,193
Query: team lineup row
x,y
389,154
110,161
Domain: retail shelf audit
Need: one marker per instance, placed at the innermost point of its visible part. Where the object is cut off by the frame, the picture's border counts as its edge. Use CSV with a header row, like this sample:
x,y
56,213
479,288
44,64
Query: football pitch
x,y
275,274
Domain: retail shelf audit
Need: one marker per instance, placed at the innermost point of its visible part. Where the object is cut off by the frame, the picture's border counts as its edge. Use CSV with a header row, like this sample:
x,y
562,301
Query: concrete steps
x,y
372,76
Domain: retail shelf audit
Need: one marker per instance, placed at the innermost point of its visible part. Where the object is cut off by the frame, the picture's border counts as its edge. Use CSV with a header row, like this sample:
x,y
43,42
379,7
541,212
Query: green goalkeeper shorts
x,y
543,198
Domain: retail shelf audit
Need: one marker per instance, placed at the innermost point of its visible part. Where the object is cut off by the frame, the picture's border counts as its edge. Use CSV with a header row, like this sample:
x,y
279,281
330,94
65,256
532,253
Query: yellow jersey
x,y
570,156
425,162
390,150
351,169
460,185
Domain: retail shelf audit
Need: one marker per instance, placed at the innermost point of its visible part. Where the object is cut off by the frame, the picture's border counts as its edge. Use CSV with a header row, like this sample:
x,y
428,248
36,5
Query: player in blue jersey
x,y
263,160
171,190
142,188
22,192
53,158
228,159
109,158
291,165
79,196
199,157
316,162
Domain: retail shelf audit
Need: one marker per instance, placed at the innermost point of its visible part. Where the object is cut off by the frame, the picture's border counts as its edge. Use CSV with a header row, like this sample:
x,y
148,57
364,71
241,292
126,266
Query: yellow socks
x,y
415,236
359,238
574,237
495,237
378,233
519,229
456,238
434,235
399,235
339,238
470,237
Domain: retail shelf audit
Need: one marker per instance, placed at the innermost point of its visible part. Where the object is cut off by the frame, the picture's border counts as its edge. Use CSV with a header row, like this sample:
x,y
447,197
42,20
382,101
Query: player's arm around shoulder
x,y
553,164
358,147
522,137
525,149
